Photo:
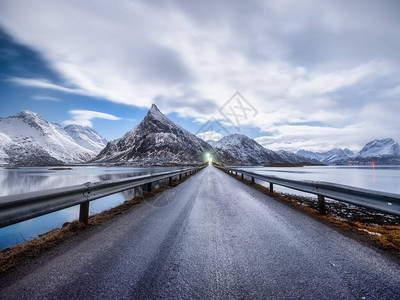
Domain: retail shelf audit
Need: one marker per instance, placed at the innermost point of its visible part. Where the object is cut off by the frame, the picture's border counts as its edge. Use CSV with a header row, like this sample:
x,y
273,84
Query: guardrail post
x,y
271,187
242,176
235,173
321,205
170,181
180,176
252,179
147,187
84,213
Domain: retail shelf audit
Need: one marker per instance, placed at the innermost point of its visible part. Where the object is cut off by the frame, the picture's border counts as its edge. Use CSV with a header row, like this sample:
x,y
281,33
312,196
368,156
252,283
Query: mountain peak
x,y
382,147
155,114
382,141
378,144
29,114
157,140
154,109
77,126
34,120
239,149
238,135
233,138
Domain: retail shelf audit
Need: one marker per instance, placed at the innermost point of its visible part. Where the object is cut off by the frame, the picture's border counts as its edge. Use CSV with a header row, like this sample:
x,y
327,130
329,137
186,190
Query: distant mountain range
x,y
28,139
384,152
158,140
329,157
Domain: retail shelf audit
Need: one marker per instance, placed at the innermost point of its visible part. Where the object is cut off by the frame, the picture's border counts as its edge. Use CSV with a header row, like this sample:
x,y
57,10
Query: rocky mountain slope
x,y
157,141
384,151
28,139
239,149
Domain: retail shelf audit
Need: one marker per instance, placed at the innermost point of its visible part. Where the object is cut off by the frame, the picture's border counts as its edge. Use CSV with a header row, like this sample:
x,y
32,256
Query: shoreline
x,y
11,257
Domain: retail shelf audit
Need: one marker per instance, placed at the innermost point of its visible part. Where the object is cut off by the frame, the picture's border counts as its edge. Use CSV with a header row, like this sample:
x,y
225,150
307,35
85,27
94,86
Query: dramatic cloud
x,y
44,84
320,74
84,117
46,98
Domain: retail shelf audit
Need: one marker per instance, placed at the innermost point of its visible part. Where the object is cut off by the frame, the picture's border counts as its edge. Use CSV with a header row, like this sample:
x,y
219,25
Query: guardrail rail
x,y
376,200
18,208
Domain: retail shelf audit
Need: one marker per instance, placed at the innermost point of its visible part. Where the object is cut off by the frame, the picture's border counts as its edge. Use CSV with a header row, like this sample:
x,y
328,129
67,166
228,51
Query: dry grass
x,y
15,255
373,227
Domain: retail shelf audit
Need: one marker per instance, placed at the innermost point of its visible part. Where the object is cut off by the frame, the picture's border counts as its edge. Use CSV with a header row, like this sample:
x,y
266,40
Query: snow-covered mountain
x,y
157,140
310,154
239,149
28,139
379,148
333,156
384,151
86,137
293,158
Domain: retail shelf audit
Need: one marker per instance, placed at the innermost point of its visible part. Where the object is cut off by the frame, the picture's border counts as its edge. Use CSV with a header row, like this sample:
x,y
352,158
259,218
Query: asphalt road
x,y
211,237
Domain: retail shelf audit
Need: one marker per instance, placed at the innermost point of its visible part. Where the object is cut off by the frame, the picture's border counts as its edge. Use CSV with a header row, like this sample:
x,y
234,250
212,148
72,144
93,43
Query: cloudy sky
x,y
310,74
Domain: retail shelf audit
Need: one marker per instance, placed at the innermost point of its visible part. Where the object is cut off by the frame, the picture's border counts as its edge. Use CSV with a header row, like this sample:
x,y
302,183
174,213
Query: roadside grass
x,y
379,229
15,255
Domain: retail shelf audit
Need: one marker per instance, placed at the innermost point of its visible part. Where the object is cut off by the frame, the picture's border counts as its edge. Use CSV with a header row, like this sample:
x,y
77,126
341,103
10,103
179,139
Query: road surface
x,y
211,237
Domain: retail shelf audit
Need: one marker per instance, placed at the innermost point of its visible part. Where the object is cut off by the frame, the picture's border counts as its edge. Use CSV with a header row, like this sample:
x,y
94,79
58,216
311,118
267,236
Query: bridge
x,y
211,237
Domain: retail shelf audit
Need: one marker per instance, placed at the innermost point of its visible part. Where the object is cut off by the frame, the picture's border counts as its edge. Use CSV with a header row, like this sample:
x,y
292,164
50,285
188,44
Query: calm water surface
x,y
23,180
378,178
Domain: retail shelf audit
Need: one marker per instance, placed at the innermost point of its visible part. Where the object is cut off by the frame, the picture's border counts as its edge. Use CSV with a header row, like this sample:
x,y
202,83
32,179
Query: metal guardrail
x,y
18,208
376,200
